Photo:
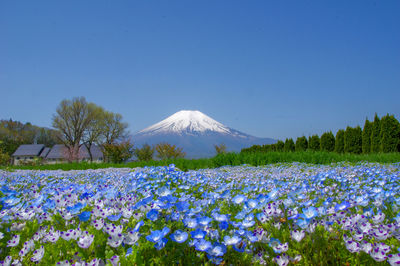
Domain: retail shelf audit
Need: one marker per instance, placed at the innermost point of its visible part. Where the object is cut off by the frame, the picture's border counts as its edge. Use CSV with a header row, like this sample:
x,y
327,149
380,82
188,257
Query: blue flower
x,y
232,240
114,218
137,226
342,206
204,221
152,215
223,225
198,234
203,245
157,235
84,216
218,250
161,244
76,208
182,206
190,222
238,199
310,212
179,236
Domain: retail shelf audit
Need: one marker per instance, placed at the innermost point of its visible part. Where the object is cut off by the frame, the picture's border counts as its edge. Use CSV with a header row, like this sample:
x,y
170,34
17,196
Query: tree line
x,y
382,135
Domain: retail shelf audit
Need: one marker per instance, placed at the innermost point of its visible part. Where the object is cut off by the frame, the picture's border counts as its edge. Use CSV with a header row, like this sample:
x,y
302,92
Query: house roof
x,y
59,151
28,150
44,153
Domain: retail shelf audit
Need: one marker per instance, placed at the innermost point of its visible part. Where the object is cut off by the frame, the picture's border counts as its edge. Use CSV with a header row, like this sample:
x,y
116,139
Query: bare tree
x,y
95,128
72,118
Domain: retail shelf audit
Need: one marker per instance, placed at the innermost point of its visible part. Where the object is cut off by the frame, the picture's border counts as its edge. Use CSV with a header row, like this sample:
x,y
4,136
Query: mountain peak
x,y
186,121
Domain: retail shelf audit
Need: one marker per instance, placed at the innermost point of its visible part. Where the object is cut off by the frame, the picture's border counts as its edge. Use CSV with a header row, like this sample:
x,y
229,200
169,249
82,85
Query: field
x,y
233,159
286,213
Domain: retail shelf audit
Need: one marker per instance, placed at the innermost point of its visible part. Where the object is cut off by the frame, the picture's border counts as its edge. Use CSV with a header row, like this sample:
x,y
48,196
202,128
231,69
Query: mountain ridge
x,y
197,134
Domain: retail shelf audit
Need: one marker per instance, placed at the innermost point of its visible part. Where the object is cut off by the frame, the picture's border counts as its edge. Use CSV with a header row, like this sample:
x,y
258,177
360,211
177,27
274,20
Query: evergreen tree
x,y
375,135
339,142
289,145
366,136
327,141
314,143
279,145
353,140
389,134
301,144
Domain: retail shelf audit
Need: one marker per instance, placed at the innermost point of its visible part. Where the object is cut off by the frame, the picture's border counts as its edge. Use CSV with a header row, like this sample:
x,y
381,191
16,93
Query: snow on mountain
x,y
186,121
196,133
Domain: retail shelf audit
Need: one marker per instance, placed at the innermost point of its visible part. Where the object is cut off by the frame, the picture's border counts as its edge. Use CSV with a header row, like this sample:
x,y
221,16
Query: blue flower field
x,y
338,214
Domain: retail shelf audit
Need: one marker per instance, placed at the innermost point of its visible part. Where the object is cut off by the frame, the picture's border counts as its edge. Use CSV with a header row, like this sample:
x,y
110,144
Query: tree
x,y
72,118
353,140
83,123
4,157
221,148
327,141
118,152
114,128
94,129
146,153
366,136
339,141
314,143
167,151
389,134
375,135
301,144
279,145
289,145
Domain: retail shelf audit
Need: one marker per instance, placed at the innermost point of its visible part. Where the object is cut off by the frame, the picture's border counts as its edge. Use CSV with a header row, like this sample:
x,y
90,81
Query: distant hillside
x,y
15,133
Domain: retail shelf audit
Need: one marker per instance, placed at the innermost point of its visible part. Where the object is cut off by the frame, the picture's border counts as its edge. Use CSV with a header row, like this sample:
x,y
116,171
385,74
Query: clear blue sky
x,y
268,68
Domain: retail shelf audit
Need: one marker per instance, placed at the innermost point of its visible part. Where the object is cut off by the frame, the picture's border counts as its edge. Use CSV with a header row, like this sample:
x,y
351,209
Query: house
x,y
27,153
59,154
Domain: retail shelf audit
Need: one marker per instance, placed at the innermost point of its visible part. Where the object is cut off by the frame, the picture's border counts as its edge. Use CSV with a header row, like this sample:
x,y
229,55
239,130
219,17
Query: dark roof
x,y
59,151
44,153
29,150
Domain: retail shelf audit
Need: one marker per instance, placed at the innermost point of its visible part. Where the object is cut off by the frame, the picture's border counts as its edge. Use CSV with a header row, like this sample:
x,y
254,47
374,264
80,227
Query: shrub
x,y
289,145
389,134
314,143
167,151
353,140
279,145
221,148
327,141
146,153
118,152
301,144
339,141
375,135
366,137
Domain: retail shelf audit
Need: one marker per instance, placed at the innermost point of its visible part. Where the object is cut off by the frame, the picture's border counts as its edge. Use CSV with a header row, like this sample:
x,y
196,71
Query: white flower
x,y
38,254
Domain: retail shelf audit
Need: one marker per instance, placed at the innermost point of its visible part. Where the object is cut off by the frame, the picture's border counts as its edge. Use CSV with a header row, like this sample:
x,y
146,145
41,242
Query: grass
x,y
254,159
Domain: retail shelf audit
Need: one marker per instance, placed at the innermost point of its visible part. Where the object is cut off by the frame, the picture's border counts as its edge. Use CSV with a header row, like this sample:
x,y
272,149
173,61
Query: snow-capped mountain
x,y
196,133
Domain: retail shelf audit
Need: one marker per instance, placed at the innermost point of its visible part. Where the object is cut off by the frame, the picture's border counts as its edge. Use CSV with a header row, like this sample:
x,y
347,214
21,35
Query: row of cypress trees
x,y
379,136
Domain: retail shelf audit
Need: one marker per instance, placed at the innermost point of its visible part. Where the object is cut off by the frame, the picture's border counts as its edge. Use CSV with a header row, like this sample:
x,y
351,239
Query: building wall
x,y
18,160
